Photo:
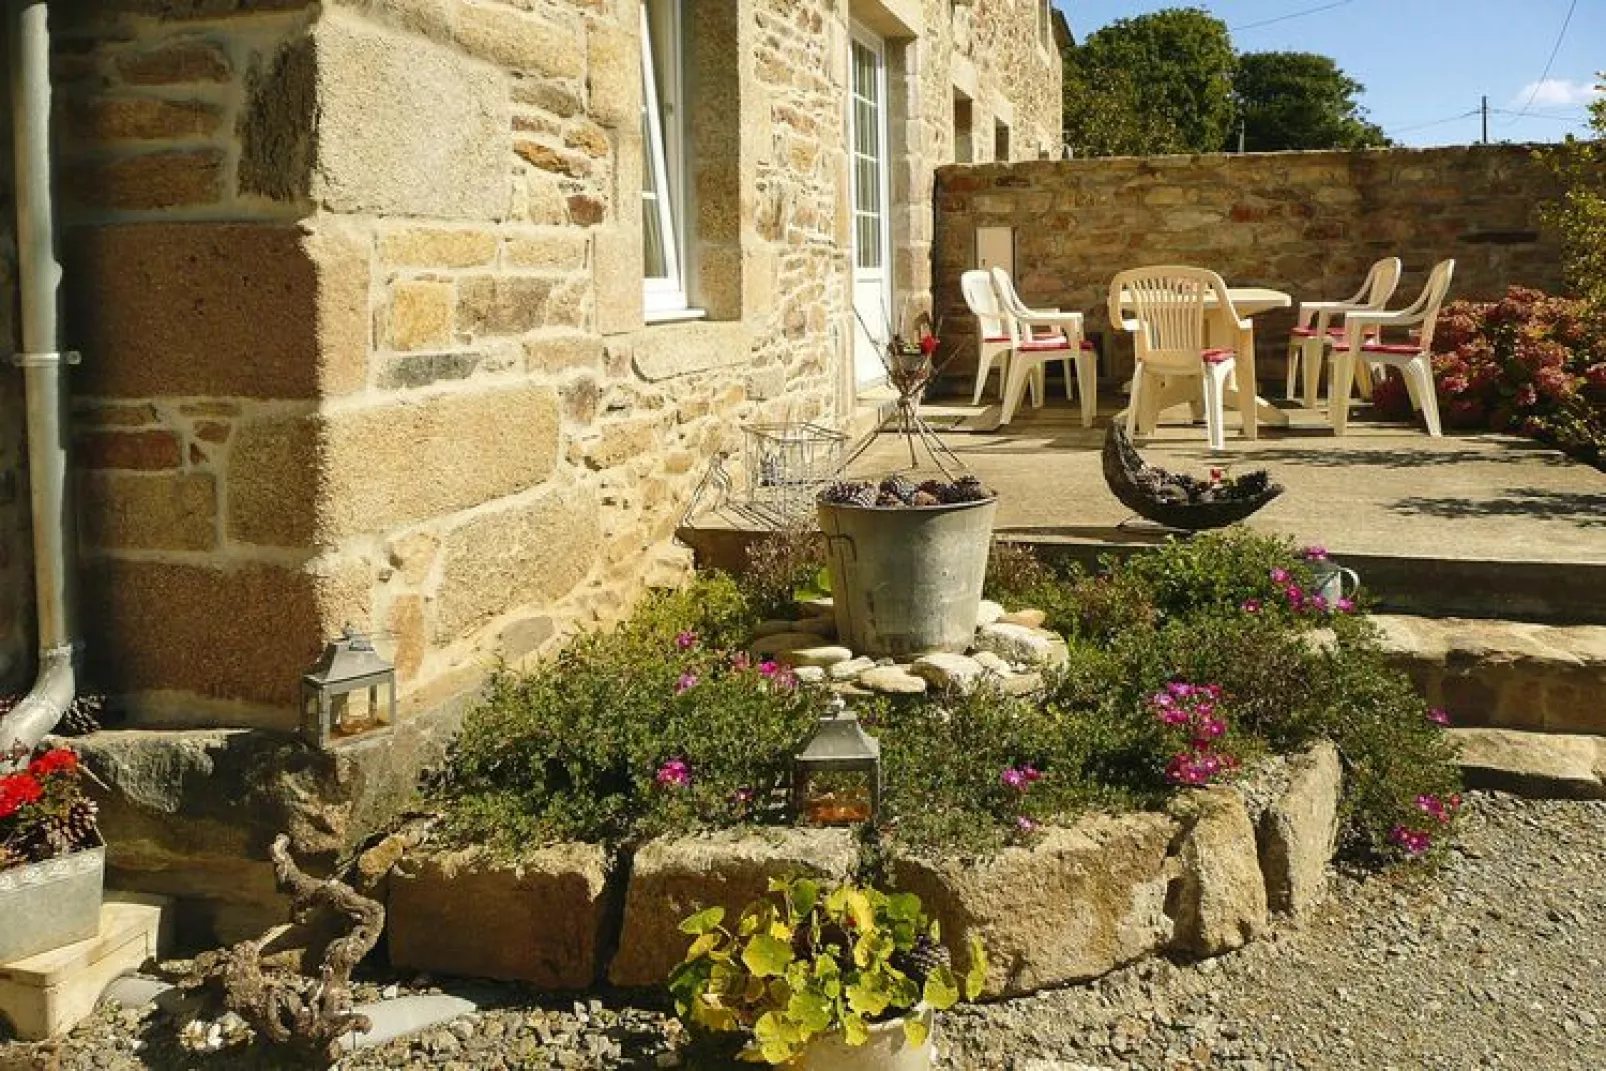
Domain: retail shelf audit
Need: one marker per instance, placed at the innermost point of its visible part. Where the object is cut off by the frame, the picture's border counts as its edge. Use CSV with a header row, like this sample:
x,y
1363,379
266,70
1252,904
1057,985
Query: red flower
x,y
52,761
928,344
17,790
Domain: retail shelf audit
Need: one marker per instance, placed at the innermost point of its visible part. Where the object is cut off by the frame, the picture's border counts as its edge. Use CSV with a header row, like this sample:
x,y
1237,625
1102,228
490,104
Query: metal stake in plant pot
x,y
907,581
52,903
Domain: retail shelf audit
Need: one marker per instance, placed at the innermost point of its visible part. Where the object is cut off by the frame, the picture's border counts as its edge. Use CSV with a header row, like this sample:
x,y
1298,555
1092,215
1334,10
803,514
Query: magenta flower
x,y
740,661
674,774
1250,606
1439,717
1279,576
1025,825
1434,808
1319,603
1210,727
768,668
1315,554
1031,773
742,797
686,683
1345,606
686,640
1014,779
1409,841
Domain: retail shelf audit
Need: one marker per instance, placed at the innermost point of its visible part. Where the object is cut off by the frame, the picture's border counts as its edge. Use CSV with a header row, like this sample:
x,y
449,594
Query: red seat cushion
x,y
996,338
1217,356
1310,332
1038,345
1402,348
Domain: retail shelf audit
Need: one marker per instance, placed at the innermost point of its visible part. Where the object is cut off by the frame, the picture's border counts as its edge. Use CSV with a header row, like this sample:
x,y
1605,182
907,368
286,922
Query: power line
x,y
1553,50
1541,115
1436,122
1290,15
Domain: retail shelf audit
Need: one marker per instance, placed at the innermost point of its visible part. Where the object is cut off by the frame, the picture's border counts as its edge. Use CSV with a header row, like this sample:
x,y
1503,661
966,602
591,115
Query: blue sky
x,y
1424,61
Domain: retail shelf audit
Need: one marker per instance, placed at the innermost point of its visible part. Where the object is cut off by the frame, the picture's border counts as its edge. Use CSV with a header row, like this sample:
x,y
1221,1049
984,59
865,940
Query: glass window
x,y
663,167
867,151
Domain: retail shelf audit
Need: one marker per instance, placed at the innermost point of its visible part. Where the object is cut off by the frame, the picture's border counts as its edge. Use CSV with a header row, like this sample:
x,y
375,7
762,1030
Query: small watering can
x,y
1332,581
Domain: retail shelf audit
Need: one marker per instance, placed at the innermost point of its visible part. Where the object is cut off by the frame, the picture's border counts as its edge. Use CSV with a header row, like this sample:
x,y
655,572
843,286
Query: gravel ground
x,y
1496,960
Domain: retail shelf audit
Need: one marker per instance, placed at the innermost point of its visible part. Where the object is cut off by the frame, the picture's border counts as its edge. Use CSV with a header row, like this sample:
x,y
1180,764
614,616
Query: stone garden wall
x,y
1309,223
1071,904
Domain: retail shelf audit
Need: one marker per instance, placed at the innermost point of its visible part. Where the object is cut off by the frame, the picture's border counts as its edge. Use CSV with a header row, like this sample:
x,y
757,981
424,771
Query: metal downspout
x,y
44,376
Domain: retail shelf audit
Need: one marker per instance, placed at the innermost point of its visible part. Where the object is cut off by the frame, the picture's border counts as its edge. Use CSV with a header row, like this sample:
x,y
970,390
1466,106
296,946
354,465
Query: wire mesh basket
x,y
787,465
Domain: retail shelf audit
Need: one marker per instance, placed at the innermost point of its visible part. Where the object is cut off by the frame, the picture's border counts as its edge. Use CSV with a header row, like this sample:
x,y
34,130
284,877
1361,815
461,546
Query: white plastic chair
x,y
1318,327
992,336
1165,306
1414,358
1031,352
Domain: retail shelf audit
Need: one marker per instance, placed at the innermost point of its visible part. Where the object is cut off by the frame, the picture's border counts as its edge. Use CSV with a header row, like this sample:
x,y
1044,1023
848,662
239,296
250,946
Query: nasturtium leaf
x,y
766,956
942,989
976,975
854,1032
805,895
872,947
704,921
903,907
702,946
916,1030
811,1011
868,998
859,908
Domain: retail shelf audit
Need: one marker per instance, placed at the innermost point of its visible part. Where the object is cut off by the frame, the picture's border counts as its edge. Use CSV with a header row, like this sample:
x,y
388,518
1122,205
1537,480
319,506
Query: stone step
x,y
1543,765
1505,674
46,995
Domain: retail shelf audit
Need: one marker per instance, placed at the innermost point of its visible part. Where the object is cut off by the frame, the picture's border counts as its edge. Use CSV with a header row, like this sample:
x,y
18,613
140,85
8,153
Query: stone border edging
x,y
1075,903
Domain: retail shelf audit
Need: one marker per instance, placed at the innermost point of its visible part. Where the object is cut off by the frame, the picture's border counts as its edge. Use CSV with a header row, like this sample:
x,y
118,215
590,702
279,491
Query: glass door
x,y
870,183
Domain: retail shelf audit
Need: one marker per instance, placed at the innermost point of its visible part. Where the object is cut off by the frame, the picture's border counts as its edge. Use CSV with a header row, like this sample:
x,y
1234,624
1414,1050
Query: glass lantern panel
x,y
836,797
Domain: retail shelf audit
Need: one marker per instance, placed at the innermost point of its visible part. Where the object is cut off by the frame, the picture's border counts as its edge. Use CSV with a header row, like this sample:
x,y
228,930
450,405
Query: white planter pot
x,y
886,1050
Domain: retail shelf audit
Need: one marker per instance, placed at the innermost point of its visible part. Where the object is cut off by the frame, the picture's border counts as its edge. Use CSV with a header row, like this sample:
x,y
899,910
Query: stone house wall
x,y
1309,223
358,287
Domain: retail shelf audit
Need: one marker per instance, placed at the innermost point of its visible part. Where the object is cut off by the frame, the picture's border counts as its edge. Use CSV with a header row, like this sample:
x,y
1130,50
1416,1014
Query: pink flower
x,y
1250,606
1315,554
1014,779
1025,825
674,774
686,640
686,683
1174,716
742,797
1345,606
1434,808
1210,727
1295,593
1439,717
740,661
1319,603
768,668
1409,841
1031,773
1279,576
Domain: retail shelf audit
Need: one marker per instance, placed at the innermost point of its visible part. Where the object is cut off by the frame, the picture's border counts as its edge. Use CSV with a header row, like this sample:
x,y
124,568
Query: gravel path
x,y
1494,961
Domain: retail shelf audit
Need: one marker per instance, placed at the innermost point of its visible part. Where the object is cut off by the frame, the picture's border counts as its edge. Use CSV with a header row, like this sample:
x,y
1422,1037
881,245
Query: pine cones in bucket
x,y
896,492
926,956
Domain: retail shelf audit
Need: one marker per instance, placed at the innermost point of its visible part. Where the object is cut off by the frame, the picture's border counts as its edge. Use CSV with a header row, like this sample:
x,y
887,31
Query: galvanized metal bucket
x,y
907,581
50,904
1332,581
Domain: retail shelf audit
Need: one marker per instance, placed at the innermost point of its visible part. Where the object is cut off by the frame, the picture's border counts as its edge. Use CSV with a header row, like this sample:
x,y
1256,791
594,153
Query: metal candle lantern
x,y
836,778
332,692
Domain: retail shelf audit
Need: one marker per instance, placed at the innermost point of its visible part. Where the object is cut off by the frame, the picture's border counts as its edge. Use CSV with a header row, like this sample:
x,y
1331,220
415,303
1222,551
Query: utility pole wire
x,y
1436,122
1546,72
1290,15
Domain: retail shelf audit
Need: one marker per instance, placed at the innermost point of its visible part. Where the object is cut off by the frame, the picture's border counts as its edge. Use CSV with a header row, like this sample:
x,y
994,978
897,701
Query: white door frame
x,y
868,370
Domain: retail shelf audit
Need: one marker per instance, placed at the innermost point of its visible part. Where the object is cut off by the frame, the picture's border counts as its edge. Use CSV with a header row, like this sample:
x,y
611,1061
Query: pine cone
x,y
83,717
926,956
10,857
73,830
966,489
925,498
850,493
901,489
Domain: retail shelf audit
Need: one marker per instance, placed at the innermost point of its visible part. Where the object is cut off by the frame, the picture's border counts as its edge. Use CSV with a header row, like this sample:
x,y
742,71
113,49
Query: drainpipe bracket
x,y
45,360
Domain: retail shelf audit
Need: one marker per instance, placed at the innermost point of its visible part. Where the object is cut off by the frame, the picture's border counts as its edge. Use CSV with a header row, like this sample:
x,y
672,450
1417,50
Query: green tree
x,y
1156,83
1299,100
1579,216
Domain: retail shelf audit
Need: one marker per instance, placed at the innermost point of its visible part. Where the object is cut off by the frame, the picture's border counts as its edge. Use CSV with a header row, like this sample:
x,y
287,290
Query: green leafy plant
x,y
804,961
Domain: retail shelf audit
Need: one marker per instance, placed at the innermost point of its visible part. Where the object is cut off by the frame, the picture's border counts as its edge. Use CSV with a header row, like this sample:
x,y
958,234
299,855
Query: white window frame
x,y
664,297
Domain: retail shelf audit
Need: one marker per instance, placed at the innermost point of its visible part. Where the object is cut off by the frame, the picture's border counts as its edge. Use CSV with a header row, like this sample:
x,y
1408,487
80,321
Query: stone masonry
x,y
358,287
1308,223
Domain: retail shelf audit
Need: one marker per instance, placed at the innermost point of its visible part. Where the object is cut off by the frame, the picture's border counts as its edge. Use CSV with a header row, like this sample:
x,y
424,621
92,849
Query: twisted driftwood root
x,y
311,1015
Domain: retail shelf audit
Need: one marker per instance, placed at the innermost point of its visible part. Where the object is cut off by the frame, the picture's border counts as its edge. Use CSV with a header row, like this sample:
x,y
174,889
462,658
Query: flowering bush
x,y
1190,712
44,811
1530,364
662,724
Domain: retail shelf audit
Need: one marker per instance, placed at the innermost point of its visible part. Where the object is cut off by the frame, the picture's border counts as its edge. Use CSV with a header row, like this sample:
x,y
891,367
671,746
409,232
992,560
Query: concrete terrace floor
x,y
1383,489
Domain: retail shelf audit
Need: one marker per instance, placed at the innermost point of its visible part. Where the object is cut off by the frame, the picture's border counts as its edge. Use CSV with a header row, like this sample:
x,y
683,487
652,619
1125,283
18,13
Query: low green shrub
x,y
652,727
1184,663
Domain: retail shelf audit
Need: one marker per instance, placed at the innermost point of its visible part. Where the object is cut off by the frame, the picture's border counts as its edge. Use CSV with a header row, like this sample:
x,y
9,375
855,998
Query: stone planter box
x,y
539,920
50,904
1076,903
672,879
